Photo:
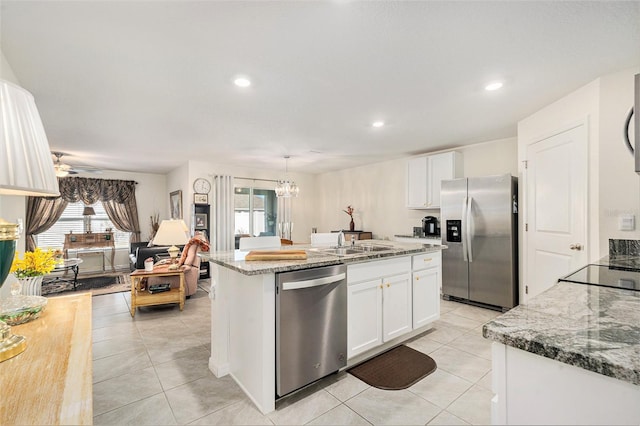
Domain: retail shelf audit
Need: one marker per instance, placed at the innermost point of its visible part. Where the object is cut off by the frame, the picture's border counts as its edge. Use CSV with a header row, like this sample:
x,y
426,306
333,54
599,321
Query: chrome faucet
x,y
340,239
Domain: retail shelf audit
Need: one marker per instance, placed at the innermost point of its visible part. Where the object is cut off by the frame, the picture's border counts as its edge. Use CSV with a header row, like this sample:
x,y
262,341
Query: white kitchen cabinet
x,y
427,281
417,182
364,310
396,306
424,175
379,303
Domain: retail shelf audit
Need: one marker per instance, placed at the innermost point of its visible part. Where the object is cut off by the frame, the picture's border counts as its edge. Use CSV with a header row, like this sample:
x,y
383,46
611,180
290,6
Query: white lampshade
x,y
26,167
171,232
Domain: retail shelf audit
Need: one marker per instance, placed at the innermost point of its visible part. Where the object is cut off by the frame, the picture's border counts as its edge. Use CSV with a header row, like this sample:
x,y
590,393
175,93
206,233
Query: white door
x,y
396,306
426,296
556,210
364,313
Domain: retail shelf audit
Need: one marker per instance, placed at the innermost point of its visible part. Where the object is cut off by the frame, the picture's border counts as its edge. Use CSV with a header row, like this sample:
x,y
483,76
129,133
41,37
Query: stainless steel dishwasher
x,y
311,325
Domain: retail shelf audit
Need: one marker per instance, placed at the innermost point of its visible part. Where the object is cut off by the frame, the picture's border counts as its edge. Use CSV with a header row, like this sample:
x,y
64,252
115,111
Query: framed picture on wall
x,y
201,198
175,204
201,220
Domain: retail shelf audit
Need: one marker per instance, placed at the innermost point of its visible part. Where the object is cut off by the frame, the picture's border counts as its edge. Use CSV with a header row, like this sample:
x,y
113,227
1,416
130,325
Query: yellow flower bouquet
x,y
35,263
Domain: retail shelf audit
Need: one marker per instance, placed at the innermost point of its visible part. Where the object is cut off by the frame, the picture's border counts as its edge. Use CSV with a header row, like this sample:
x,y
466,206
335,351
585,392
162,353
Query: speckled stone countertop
x,y
592,327
315,257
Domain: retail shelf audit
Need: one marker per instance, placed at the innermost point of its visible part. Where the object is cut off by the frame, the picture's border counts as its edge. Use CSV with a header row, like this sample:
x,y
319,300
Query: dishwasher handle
x,y
296,285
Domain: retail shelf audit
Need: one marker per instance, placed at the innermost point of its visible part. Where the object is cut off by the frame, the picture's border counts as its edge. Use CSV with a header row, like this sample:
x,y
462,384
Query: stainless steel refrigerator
x,y
479,218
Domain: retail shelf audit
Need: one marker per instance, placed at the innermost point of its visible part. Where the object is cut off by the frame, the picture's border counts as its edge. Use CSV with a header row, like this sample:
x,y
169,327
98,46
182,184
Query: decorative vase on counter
x,y
30,286
352,225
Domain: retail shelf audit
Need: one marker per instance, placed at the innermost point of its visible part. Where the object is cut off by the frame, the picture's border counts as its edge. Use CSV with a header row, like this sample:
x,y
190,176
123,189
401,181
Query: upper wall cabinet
x,y
424,175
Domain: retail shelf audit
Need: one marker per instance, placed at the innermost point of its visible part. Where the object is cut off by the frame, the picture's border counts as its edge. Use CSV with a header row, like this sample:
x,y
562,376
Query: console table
x,y
51,382
90,240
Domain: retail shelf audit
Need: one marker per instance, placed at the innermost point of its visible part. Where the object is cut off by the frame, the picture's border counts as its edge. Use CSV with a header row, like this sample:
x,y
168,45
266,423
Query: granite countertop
x,y
315,257
591,327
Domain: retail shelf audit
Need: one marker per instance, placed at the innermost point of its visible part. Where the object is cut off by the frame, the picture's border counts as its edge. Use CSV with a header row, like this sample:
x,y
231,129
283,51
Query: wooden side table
x,y
141,297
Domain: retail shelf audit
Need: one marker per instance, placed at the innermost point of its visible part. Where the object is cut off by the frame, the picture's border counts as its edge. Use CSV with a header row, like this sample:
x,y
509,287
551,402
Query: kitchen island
x,y
570,356
243,293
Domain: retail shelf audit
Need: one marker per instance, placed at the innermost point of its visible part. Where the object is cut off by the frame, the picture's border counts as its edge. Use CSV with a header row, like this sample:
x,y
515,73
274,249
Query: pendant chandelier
x,y
286,188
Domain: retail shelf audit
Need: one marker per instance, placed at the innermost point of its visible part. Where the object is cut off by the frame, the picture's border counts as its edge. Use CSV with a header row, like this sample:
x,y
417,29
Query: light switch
x,y
626,222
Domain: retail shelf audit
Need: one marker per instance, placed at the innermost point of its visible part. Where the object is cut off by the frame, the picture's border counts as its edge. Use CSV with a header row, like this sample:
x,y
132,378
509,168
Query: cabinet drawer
x,y
378,269
427,260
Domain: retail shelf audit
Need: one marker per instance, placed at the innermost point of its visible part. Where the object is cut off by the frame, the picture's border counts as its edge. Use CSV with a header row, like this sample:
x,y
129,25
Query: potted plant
x,y
31,269
350,211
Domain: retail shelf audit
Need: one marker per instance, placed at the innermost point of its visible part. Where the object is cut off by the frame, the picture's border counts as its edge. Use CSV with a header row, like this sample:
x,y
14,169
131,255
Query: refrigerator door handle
x,y
463,231
469,229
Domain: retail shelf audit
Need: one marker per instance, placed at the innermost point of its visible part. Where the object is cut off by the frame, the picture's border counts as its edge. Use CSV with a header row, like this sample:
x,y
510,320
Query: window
x,y
255,211
72,220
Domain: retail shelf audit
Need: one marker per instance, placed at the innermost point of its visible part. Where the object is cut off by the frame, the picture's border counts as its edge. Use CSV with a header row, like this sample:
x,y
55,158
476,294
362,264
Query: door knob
x,y
576,246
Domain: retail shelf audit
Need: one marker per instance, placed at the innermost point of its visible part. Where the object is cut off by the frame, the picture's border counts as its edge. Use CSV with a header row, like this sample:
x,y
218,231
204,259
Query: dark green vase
x,y
7,251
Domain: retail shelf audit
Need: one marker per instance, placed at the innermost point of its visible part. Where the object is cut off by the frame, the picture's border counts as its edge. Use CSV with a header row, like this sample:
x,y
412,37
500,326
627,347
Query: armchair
x,y
191,267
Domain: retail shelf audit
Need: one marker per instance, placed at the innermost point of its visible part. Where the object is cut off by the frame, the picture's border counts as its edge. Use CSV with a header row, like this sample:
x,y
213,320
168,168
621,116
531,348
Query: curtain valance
x,y
90,191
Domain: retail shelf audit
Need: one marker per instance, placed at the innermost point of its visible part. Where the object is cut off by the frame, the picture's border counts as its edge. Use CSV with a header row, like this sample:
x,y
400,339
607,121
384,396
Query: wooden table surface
x,y
51,381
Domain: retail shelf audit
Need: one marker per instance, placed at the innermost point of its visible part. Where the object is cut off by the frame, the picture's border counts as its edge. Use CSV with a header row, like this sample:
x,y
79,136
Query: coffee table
x,y
142,297
72,264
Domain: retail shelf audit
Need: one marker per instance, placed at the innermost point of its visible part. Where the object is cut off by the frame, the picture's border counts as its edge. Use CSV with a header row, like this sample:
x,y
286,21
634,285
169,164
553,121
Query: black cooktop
x,y
606,276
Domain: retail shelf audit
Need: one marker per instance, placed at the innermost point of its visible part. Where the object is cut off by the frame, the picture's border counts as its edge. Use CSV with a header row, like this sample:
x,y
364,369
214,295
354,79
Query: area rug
x,y
103,284
395,369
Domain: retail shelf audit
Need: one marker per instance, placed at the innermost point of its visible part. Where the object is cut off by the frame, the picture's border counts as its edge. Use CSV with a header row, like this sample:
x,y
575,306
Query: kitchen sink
x,y
341,251
359,249
372,247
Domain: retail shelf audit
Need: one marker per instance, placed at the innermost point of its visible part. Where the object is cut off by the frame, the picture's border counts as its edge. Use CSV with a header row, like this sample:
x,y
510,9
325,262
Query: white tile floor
x,y
154,370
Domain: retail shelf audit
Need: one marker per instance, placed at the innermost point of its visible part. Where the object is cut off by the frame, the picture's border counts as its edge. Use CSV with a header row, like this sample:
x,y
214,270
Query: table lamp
x,y
172,232
87,212
26,168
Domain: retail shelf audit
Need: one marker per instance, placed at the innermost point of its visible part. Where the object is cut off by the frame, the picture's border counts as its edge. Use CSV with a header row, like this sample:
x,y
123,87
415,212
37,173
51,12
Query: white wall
x,y
6,72
578,106
613,187
303,207
378,191
619,185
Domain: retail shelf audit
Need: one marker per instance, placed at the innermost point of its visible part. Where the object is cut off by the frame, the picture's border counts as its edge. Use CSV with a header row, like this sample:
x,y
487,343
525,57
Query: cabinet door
x,y
396,306
417,182
426,296
364,301
440,167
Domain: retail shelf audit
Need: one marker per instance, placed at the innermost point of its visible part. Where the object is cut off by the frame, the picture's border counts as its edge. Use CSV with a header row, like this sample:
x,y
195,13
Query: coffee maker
x,y
430,226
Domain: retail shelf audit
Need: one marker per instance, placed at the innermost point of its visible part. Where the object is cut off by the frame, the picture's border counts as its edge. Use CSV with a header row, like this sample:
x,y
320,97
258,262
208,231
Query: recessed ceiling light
x,y
242,82
493,86
377,124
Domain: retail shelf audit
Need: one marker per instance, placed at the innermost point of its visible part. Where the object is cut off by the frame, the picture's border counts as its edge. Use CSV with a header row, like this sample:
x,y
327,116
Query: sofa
x,y
139,252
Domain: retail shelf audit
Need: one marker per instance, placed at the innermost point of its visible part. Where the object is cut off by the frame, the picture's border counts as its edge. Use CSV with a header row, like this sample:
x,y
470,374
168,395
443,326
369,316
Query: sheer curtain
x,y
285,224
223,214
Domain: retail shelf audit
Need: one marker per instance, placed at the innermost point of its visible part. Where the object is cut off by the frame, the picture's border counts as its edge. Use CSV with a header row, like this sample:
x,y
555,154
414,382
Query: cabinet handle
x,y
381,286
428,259
388,285
417,278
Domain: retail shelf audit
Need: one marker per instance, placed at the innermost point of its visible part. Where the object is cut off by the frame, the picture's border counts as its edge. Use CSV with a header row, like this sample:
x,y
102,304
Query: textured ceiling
x,y
114,80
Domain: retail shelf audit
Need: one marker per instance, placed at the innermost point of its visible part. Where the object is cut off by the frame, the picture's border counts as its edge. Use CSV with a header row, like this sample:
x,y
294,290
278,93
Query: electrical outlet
x,y
626,222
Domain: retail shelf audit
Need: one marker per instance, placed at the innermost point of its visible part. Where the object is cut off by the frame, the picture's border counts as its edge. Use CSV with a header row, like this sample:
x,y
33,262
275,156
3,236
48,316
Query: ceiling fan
x,y
63,169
